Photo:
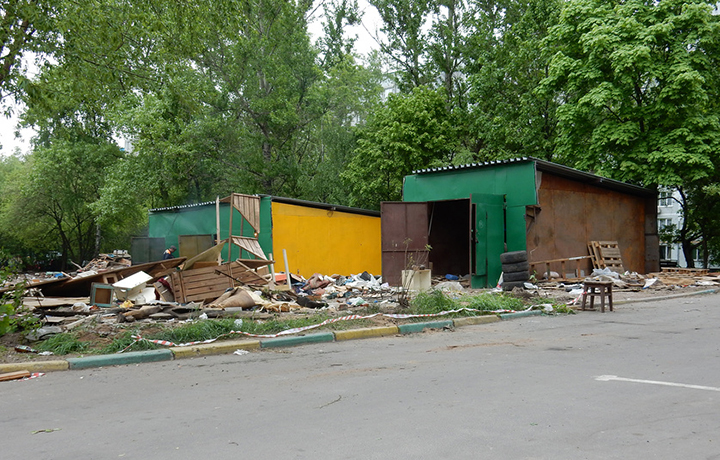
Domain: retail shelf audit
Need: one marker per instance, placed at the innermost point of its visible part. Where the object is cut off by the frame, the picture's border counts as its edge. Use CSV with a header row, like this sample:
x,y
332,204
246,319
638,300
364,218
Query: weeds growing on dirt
x,y
430,302
274,326
64,344
126,341
493,301
436,301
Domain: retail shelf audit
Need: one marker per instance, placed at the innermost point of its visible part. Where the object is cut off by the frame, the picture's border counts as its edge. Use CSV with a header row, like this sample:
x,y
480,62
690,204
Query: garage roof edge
x,y
554,168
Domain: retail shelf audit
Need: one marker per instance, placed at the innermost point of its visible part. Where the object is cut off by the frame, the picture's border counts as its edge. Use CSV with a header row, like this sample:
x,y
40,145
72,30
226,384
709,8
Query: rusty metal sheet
x,y
572,213
404,233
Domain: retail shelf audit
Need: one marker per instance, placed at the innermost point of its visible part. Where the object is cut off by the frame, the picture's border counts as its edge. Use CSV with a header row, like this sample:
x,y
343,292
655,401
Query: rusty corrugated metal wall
x,y
572,213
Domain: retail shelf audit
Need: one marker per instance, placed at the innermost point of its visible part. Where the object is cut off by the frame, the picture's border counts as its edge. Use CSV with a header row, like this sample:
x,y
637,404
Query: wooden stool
x,y
597,288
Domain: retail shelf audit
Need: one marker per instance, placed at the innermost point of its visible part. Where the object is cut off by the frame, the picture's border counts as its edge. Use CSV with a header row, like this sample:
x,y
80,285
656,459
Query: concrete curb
x,y
132,357
297,340
214,348
520,314
366,333
472,320
419,327
35,366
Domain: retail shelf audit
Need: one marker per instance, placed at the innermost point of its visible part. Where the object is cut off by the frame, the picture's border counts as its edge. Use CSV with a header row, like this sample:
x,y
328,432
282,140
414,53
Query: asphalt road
x,y
530,388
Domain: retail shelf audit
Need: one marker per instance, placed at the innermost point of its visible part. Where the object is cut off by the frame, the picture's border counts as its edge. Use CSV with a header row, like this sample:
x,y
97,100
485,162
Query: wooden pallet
x,y
606,254
686,271
208,283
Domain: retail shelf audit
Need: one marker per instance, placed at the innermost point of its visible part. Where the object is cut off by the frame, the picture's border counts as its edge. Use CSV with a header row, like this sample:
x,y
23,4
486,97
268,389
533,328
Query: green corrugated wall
x,y
515,181
200,219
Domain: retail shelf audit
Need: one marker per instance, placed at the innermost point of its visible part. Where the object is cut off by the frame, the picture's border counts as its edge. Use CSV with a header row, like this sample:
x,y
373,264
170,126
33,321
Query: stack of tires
x,y
516,270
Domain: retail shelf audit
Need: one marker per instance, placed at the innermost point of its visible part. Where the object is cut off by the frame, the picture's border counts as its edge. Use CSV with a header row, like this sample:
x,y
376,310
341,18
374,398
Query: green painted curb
x,y
297,340
419,327
216,348
472,320
121,358
520,314
34,366
365,333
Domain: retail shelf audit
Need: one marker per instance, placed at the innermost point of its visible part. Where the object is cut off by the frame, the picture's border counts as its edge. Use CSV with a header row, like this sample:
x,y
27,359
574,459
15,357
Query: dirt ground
x,y
101,335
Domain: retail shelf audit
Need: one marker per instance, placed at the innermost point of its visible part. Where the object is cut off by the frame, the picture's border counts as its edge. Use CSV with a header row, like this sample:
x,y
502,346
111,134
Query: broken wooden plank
x,y
14,375
548,265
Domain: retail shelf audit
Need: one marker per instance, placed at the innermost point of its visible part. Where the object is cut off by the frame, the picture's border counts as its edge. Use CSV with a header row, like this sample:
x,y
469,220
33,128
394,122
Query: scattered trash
x,y
25,349
43,333
601,272
649,282
450,286
46,430
240,352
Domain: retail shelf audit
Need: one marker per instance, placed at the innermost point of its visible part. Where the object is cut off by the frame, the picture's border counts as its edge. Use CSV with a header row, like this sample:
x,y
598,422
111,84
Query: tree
x,y
509,117
404,25
27,27
334,46
412,131
640,87
639,83
50,209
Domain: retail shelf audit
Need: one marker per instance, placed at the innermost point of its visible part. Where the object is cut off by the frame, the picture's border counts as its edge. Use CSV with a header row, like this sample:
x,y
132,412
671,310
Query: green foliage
x,y
125,342
412,131
494,301
508,117
44,209
562,309
274,326
403,23
640,87
6,310
63,344
433,301
197,331
13,316
436,301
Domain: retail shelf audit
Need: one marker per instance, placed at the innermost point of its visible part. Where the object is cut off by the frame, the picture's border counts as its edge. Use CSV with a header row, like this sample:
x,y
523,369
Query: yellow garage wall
x,y
324,241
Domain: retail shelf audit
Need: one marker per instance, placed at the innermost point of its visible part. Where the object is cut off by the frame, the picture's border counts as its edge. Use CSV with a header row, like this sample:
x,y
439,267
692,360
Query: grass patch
x,y
197,331
124,341
435,301
274,326
430,302
63,344
490,301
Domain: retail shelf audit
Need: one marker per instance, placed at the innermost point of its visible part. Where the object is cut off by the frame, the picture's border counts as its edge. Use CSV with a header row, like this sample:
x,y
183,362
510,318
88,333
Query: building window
x,y
697,254
665,199
664,252
662,223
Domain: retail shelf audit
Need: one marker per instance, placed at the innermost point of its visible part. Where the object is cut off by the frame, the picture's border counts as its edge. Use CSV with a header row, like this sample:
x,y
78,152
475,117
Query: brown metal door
x,y
404,235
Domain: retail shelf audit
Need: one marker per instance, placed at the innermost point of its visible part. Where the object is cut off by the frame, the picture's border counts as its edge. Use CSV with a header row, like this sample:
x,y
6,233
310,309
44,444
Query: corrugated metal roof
x,y
329,207
184,206
297,202
554,168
